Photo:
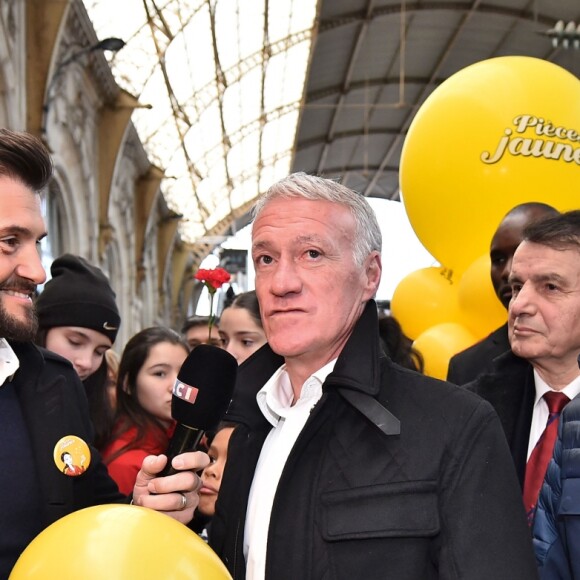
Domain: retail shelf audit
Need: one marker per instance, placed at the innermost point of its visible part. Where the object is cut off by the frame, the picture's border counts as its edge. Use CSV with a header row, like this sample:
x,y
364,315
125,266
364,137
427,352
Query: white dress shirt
x,y
275,400
540,413
9,362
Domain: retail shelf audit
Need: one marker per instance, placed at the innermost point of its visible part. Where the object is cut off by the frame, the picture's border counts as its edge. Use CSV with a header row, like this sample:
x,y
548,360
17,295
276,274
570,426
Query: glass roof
x,y
224,80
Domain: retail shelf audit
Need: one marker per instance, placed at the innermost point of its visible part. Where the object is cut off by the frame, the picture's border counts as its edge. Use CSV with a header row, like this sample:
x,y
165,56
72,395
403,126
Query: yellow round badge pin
x,y
72,455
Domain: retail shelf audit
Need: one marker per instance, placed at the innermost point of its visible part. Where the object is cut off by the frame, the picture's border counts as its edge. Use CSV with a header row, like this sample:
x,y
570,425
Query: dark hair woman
x,y
149,366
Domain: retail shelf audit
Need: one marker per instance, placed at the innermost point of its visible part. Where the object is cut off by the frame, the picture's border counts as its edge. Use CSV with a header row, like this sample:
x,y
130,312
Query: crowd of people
x,y
337,457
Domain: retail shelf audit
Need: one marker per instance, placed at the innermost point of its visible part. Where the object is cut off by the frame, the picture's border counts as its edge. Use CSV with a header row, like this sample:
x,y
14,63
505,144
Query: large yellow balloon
x,y
481,310
498,133
423,298
118,542
439,343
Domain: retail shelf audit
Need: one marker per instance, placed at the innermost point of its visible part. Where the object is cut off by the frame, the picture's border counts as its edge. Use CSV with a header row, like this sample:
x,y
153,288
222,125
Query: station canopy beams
x,y
244,91
221,83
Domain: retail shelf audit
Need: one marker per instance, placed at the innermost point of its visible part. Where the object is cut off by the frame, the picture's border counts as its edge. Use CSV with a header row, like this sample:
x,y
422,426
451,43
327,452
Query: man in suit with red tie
x,y
529,392
467,365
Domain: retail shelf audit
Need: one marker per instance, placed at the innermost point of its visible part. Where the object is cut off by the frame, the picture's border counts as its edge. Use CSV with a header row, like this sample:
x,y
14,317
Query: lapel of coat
x,y
358,365
43,407
510,390
523,423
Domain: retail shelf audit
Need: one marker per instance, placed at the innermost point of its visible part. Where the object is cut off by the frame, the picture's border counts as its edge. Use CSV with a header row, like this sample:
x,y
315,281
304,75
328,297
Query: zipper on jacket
x,y
236,544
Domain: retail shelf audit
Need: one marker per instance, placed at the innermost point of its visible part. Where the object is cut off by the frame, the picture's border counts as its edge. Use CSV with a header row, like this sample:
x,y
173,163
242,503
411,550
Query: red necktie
x,y
542,452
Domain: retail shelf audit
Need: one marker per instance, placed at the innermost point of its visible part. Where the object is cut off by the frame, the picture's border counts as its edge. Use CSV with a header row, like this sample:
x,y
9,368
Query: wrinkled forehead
x,y
534,257
281,211
527,250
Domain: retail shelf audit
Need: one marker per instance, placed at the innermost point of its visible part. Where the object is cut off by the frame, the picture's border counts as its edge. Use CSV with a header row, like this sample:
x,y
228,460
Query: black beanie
x,y
78,294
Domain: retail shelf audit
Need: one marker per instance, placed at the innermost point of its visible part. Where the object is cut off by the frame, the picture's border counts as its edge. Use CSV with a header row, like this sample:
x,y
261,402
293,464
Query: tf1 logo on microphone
x,y
184,391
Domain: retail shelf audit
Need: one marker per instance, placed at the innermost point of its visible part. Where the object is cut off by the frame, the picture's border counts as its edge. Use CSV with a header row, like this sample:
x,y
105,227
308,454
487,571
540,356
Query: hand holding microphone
x,y
201,395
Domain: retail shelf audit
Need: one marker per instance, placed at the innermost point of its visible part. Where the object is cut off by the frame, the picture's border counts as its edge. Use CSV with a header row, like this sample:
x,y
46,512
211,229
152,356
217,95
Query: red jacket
x,y
124,468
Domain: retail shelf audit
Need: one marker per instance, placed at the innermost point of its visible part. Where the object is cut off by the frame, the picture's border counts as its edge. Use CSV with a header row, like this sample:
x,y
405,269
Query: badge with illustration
x,y
72,455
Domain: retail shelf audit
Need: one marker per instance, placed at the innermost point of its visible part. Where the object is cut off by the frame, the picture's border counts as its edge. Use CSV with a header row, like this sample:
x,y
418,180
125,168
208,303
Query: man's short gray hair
x,y
367,236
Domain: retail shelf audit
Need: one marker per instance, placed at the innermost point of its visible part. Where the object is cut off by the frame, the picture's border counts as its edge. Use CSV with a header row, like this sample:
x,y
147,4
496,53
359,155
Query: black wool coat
x,y
509,387
54,405
437,498
467,365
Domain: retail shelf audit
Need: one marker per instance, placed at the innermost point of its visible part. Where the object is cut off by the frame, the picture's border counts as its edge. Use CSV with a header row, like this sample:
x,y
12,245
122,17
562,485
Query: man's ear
x,y
373,271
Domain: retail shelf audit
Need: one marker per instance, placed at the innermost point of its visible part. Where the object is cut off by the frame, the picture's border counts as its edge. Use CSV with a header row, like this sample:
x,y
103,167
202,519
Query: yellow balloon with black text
x,y
500,132
439,343
117,542
481,310
423,298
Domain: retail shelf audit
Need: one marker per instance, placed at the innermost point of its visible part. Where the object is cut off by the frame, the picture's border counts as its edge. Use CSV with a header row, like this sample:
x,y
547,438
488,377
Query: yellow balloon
x,y
118,542
481,310
498,133
439,343
423,298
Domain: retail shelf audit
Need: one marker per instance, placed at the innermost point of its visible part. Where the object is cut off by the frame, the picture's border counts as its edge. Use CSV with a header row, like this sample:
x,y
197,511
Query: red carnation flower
x,y
212,280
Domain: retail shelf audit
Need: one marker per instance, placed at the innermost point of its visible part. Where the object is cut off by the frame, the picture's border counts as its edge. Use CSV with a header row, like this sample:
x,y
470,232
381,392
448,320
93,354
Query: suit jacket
x,y
470,363
509,387
54,405
435,496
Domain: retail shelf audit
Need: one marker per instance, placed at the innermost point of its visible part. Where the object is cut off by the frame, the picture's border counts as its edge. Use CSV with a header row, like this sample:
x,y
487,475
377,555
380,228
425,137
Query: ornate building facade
x,y
104,202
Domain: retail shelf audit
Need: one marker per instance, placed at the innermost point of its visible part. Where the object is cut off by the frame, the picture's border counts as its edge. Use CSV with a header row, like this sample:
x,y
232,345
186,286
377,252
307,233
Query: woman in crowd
x,y
398,345
78,318
240,326
195,331
211,478
143,426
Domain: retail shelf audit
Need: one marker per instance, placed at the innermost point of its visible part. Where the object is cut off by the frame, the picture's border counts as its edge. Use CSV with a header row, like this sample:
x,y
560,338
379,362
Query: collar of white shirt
x,y
276,397
570,390
9,362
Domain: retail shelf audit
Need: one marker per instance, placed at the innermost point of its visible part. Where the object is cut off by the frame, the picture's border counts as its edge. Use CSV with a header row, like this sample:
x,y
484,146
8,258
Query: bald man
x,y
469,364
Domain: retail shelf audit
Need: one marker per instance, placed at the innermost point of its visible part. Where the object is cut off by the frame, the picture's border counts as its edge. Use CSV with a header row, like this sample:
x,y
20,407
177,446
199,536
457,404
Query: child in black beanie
x,y
78,318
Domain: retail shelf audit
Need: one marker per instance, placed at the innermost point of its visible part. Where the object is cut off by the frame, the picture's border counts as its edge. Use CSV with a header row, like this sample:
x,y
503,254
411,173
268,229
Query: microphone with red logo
x,y
201,395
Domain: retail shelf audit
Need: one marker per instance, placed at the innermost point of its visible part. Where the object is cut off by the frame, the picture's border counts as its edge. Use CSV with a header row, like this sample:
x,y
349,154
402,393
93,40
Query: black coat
x,y
473,361
510,389
437,500
54,405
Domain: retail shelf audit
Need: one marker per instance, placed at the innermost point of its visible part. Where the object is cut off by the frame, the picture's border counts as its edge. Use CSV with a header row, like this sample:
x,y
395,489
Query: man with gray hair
x,y
344,464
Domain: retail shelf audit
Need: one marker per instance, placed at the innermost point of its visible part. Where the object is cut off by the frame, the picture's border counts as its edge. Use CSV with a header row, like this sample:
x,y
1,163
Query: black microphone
x,y
201,395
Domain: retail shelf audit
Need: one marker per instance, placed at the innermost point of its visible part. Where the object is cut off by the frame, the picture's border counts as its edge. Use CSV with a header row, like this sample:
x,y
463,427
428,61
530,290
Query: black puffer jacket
x,y
557,519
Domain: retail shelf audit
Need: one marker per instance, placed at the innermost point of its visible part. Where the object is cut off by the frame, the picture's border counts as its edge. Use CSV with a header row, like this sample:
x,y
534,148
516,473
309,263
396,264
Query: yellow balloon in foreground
x,y
118,542
495,134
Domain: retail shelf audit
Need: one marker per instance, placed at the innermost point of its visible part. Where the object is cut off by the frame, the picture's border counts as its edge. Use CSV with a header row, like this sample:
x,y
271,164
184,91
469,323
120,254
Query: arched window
x,y
52,208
